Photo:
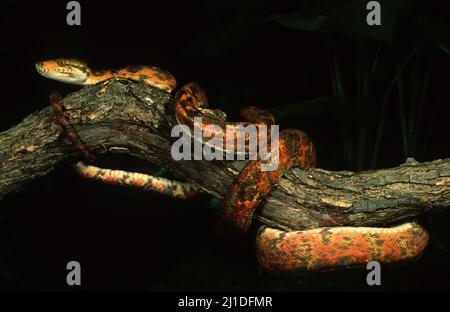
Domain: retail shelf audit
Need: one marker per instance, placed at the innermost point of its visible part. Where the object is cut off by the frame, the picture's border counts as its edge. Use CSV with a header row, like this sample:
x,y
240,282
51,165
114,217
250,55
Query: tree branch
x,y
126,117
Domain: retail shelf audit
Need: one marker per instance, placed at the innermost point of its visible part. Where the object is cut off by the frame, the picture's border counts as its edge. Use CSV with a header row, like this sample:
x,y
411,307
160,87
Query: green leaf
x,y
348,18
443,48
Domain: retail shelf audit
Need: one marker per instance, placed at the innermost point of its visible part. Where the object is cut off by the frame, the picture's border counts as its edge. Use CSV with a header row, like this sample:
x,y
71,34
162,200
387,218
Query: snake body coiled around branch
x,y
277,251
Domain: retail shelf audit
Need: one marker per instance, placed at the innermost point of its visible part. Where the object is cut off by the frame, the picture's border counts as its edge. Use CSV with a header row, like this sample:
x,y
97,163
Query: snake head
x,y
66,70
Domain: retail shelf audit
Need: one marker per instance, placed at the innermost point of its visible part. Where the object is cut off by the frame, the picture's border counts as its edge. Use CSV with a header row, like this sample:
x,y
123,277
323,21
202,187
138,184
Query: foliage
x,y
390,66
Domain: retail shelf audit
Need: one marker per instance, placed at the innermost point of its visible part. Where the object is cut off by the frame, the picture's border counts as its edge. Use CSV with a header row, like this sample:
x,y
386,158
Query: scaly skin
x,y
142,181
191,102
77,72
252,184
335,247
63,121
290,252
118,177
278,251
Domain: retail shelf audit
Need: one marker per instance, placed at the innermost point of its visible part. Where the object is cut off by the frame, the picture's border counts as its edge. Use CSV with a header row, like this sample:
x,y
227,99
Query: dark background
x,y
368,96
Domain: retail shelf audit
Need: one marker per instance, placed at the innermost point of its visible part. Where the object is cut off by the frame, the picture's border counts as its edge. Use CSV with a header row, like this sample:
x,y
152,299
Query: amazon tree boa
x,y
277,251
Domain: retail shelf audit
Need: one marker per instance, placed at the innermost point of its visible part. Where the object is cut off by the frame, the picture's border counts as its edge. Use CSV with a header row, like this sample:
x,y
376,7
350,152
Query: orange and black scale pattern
x,y
142,181
278,251
290,252
150,75
63,121
325,248
191,102
253,184
77,72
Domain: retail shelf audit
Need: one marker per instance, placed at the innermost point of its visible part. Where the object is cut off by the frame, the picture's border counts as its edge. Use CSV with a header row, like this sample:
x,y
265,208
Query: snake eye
x,y
60,62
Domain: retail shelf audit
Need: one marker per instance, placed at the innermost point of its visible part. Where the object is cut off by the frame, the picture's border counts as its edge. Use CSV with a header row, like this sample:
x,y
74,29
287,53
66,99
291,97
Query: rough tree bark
x,y
126,117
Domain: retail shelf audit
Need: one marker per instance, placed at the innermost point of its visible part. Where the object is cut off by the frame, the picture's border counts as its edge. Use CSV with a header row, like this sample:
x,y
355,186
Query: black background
x,y
131,240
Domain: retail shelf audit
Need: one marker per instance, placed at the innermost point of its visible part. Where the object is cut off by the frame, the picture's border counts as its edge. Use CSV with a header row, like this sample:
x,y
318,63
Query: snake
x,y
277,251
